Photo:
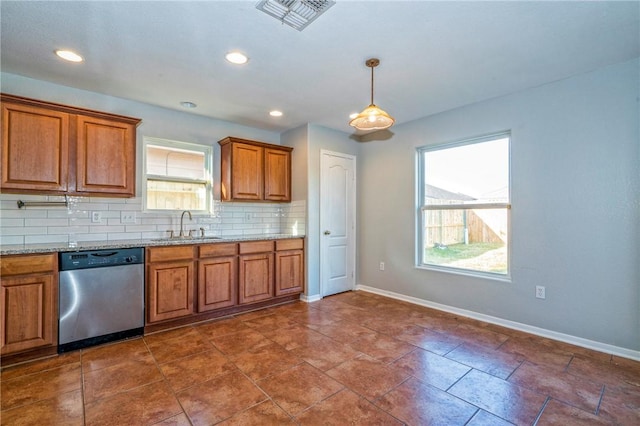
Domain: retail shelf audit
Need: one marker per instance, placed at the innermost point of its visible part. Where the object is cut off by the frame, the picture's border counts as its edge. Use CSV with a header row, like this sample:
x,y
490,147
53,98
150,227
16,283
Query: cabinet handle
x,y
327,232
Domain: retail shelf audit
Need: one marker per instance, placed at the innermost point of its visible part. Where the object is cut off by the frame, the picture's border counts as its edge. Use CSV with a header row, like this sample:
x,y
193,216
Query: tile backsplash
x,y
105,219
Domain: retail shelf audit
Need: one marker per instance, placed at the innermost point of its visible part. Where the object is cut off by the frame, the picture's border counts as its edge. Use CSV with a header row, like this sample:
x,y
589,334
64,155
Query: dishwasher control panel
x,y
100,258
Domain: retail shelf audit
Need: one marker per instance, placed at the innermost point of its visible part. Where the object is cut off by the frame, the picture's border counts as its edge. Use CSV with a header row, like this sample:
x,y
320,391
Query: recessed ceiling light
x,y
68,55
236,58
187,104
275,113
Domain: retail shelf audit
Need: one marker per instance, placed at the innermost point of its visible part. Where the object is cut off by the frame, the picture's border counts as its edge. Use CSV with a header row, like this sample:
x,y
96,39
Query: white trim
x,y
310,299
578,341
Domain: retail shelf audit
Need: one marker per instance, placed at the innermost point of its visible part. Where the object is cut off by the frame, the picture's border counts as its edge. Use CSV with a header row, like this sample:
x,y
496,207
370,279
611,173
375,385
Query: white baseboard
x,y
578,341
309,299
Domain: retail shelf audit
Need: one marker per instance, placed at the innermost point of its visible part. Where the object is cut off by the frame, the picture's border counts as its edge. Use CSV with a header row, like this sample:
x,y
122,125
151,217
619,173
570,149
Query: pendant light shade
x,y
372,117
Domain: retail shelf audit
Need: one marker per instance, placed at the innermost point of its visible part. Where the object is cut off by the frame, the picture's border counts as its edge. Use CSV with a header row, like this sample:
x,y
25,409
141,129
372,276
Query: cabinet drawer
x,y
256,247
16,265
162,254
294,244
214,250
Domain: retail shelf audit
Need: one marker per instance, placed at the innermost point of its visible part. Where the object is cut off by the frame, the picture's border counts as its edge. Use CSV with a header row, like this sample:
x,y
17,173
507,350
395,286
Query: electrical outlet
x,y
382,266
248,217
540,292
96,217
128,217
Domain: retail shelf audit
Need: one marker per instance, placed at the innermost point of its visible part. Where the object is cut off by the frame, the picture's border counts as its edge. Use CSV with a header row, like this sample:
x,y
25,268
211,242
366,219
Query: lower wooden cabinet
x,y
217,276
189,280
28,304
170,282
289,272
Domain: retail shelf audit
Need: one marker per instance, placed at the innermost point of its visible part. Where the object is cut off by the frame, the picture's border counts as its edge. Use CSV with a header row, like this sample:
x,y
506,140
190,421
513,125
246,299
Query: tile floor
x,y
351,359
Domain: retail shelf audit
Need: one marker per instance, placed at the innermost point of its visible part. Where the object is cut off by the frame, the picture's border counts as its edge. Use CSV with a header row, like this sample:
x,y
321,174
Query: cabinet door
x,y
106,157
169,290
35,148
289,272
256,277
277,175
27,312
246,172
217,283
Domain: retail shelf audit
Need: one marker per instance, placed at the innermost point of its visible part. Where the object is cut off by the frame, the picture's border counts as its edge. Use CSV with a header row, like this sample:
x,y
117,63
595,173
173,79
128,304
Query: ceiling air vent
x,y
295,13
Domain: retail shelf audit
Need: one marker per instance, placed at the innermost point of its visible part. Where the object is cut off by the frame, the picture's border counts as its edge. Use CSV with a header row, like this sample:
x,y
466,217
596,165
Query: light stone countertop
x,y
97,245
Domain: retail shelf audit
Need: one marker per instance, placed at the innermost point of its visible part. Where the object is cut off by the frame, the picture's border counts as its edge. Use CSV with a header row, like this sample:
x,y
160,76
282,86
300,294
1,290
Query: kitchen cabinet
x,y
28,305
49,148
217,276
254,171
289,266
170,282
256,276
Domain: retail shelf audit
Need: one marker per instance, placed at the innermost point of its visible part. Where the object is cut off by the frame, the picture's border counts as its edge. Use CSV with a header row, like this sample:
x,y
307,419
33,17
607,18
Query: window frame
x,y
421,207
207,150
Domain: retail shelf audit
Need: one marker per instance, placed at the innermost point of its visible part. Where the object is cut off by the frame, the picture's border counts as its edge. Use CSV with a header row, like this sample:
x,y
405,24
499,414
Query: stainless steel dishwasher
x,y
101,297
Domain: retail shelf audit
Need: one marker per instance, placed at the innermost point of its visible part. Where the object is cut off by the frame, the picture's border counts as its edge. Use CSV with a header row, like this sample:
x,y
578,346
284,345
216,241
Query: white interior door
x,y
337,222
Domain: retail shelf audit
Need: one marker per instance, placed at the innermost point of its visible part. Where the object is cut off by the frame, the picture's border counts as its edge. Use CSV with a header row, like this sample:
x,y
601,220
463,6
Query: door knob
x,y
327,232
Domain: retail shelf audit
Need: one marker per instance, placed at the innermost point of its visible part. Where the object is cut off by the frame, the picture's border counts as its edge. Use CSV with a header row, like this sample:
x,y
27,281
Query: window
x,y
177,175
464,206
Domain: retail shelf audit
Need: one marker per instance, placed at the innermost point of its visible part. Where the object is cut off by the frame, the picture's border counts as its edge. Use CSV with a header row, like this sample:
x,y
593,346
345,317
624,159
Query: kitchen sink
x,y
187,239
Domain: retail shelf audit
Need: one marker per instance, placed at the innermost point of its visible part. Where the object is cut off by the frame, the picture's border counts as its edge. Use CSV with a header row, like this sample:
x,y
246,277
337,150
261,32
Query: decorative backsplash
x,y
107,219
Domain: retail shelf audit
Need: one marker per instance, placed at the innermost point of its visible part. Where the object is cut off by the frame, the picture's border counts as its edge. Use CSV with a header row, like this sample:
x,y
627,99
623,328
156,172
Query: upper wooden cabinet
x,y
51,148
255,171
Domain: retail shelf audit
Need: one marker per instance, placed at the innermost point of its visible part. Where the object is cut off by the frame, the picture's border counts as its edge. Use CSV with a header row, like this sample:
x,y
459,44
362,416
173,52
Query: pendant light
x,y
372,117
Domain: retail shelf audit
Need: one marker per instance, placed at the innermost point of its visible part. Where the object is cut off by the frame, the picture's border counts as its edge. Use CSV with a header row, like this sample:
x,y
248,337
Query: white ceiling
x,y
434,56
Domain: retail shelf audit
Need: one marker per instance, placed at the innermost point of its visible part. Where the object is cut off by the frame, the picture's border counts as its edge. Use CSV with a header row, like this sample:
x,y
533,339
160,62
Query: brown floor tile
x,y
391,325
626,363
526,348
432,369
178,420
270,322
299,387
430,340
39,386
233,344
605,372
478,335
557,413
416,403
499,364
219,398
325,353
31,367
294,336
346,408
221,327
264,414
62,409
195,369
621,406
483,418
499,397
265,360
315,317
382,348
344,331
442,323
174,346
143,405
118,378
255,314
562,386
113,353
368,376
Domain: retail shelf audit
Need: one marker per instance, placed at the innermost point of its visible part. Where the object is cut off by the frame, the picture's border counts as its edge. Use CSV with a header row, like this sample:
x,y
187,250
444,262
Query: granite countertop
x,y
97,245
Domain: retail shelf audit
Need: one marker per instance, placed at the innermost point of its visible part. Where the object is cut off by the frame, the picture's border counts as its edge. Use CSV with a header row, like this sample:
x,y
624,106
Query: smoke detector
x,y
295,13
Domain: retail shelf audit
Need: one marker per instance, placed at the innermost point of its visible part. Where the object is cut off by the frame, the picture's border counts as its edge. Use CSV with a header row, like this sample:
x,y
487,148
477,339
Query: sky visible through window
x,y
480,170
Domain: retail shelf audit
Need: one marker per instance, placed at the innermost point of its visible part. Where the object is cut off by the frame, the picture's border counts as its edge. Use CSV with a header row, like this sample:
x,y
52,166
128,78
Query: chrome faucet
x,y
182,220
